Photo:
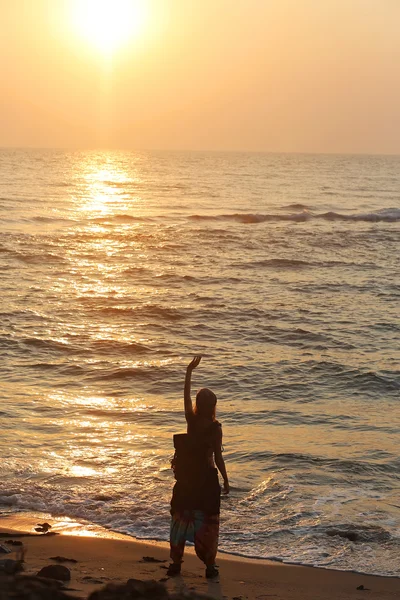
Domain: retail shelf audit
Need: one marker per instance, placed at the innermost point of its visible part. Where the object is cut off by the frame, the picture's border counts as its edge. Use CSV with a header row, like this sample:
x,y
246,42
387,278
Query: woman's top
x,y
206,433
194,450
197,486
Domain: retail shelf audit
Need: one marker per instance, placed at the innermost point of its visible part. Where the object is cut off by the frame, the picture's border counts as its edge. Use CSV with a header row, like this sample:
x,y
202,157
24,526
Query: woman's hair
x,y
206,402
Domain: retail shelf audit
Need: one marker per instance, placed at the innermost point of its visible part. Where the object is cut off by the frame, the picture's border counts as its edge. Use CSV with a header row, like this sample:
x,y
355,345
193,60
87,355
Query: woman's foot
x,y
211,572
174,569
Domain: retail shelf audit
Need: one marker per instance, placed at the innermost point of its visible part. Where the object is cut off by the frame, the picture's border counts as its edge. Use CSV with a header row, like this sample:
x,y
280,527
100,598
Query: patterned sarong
x,y
197,527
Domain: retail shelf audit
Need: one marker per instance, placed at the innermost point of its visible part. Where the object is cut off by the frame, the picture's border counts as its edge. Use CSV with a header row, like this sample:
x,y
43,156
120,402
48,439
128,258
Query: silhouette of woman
x,y
195,503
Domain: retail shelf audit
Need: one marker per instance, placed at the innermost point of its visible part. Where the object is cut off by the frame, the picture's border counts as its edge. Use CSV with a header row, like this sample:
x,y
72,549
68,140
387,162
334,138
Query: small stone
x,y
361,587
151,559
89,579
62,559
14,543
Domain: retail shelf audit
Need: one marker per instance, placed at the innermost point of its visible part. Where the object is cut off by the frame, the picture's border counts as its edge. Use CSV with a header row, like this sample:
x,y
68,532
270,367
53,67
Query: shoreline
x,y
25,521
103,556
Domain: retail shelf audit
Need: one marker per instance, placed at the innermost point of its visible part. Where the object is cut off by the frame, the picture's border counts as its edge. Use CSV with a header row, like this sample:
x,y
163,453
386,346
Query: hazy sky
x,y
273,75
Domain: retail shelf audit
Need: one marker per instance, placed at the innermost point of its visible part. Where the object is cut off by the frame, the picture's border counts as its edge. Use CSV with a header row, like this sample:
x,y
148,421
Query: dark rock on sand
x,y
58,572
23,587
29,588
9,566
14,543
43,527
134,588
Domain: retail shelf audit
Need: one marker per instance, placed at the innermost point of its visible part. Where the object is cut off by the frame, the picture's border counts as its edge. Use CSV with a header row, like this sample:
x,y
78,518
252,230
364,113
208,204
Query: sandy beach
x,y
117,558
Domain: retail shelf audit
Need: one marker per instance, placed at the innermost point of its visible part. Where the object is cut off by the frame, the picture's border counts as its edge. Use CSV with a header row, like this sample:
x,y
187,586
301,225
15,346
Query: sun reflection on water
x,y
106,186
80,471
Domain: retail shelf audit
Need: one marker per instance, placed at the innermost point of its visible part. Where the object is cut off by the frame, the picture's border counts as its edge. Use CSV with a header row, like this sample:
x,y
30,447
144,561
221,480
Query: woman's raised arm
x,y
188,382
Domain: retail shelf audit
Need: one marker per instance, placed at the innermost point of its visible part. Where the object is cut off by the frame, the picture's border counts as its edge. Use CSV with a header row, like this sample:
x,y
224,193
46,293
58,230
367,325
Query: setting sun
x,y
108,24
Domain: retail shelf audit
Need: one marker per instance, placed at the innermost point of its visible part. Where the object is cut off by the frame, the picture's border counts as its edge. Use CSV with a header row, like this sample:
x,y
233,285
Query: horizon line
x,y
198,151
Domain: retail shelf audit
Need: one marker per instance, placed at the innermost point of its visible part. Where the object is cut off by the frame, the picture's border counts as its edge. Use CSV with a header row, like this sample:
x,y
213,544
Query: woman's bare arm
x,y
219,460
188,382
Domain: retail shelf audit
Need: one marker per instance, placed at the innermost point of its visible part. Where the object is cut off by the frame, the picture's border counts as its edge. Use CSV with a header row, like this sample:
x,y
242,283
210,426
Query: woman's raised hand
x,y
186,393
195,363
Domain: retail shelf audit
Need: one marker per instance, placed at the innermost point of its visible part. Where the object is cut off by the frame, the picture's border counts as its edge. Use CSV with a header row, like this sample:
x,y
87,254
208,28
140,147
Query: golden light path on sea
x,y
104,189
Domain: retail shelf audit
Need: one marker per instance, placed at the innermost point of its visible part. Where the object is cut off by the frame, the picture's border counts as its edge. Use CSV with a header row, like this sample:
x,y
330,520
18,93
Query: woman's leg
x,y
206,537
177,538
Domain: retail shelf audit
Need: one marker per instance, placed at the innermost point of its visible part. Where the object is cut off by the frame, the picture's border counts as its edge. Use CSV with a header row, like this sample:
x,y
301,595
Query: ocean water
x,y
283,271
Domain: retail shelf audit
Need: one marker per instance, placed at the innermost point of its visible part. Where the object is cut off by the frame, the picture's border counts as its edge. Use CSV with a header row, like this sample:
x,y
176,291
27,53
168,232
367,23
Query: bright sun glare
x,y
108,24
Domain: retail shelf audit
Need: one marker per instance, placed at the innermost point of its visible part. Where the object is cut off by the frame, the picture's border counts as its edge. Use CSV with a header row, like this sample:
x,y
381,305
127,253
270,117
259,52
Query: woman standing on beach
x,y
195,500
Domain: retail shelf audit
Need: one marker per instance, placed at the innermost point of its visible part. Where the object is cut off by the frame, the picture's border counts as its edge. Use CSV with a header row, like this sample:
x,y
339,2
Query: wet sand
x,y
117,558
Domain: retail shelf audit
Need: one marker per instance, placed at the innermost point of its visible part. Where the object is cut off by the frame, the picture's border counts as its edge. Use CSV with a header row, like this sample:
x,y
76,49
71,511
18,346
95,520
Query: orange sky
x,y
263,75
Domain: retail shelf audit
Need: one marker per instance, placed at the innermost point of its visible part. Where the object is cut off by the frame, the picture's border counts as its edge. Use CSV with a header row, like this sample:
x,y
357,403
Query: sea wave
x,y
295,417
120,219
386,215
74,345
54,219
39,258
147,310
352,467
297,206
360,379
120,373
298,263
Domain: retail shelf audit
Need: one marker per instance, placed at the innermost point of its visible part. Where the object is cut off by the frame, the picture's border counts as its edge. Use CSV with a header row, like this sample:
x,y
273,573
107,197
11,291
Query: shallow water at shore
x,y
283,271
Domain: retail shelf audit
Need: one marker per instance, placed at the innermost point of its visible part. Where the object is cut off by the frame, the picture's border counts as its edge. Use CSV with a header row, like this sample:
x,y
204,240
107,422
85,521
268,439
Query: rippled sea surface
x,y
282,270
